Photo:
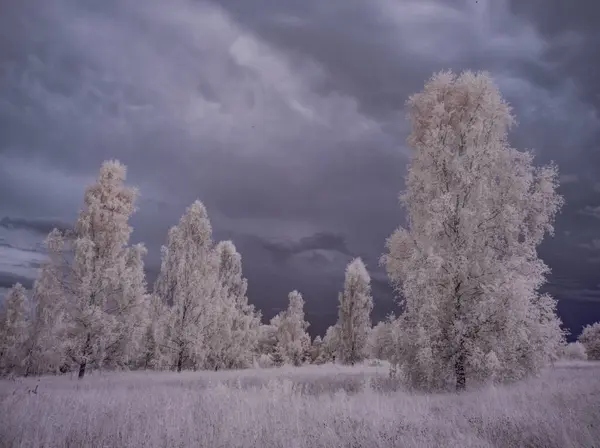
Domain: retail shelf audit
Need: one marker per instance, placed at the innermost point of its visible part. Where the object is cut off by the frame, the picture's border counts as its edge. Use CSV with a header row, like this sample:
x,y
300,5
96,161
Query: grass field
x,y
315,406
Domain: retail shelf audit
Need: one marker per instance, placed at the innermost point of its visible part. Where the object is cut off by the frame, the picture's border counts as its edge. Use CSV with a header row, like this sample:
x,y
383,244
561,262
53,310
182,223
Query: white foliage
x,y
354,313
574,351
188,284
44,347
100,280
331,343
466,264
14,326
590,338
293,342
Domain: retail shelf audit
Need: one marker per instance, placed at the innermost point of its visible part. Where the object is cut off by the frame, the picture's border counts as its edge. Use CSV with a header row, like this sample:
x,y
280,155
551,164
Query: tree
x,y
188,284
91,266
466,265
132,320
590,338
237,326
354,313
292,339
574,351
14,324
331,344
155,354
44,348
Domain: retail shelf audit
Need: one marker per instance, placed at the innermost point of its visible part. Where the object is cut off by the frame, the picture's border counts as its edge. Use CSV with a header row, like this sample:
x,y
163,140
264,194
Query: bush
x,y
574,351
590,338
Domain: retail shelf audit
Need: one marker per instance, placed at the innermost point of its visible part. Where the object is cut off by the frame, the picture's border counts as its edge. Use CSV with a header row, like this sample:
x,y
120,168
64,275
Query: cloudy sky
x,y
287,119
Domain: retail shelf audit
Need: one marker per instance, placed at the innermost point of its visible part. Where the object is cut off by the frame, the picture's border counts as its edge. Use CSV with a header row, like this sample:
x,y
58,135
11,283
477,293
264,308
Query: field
x,y
315,406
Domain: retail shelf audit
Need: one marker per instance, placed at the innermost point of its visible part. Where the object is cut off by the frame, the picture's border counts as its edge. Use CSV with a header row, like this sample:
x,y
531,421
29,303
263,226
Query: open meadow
x,y
313,406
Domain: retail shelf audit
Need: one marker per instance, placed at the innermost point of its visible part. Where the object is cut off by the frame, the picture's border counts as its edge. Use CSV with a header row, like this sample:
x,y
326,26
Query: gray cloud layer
x,y
285,118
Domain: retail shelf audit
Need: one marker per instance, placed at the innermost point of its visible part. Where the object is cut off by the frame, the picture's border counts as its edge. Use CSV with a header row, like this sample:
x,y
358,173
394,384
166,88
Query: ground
x,y
312,407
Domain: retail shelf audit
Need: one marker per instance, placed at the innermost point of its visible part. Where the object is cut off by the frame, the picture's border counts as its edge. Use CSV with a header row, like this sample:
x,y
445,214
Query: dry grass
x,y
316,406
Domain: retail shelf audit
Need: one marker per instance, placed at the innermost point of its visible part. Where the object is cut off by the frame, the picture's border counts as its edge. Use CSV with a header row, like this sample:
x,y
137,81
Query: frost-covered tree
x,y
93,266
354,313
331,344
188,284
153,352
574,351
44,347
316,351
590,338
131,322
235,336
466,263
14,325
293,342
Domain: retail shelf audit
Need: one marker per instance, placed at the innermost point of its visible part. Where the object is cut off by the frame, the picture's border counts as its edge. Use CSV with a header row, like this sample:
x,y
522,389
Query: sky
x,y
288,120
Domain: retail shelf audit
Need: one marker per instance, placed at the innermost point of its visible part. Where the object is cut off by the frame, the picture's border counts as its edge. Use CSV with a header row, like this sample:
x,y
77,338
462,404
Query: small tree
x,y
574,351
45,351
466,264
14,325
331,344
590,338
292,339
354,318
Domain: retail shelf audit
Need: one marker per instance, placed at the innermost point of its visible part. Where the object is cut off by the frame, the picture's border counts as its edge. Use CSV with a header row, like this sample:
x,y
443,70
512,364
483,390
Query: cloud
x,y
591,210
324,241
41,226
285,118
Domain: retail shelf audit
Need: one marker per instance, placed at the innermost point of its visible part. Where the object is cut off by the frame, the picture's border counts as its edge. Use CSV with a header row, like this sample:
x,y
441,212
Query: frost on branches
x,y
466,264
99,279
590,339
293,342
354,314
14,322
238,323
187,285
43,349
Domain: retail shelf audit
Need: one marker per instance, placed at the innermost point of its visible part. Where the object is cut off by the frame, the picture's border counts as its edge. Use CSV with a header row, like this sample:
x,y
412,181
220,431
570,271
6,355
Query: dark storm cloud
x,y
285,118
41,226
323,241
8,280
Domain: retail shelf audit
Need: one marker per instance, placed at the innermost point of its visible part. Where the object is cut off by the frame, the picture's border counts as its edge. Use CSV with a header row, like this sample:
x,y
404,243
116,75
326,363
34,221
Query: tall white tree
x,y
237,327
466,264
293,342
188,283
92,263
354,313
14,325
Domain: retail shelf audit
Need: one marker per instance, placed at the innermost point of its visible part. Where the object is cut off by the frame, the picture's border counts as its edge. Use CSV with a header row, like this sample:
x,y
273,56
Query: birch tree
x,y
188,283
354,313
14,322
91,265
238,323
44,348
293,342
466,264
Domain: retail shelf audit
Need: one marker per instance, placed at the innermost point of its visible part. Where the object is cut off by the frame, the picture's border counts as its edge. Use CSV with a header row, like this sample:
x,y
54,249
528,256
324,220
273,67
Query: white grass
x,y
312,407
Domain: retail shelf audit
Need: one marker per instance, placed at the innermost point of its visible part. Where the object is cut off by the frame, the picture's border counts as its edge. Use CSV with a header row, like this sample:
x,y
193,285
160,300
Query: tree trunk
x,y
82,369
459,369
86,353
180,360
